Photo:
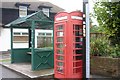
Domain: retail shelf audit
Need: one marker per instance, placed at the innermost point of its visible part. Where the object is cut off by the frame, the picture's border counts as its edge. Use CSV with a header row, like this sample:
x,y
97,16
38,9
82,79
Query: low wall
x,y
105,66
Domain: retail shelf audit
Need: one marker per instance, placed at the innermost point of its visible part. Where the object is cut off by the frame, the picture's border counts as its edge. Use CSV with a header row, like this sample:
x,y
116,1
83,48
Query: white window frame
x,y
22,11
45,35
46,11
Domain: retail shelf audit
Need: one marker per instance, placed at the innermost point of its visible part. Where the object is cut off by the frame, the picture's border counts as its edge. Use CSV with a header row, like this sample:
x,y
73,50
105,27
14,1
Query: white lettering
x,y
61,18
77,17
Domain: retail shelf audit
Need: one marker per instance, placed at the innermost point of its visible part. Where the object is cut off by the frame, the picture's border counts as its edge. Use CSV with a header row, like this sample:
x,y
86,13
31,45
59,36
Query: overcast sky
x,y
70,5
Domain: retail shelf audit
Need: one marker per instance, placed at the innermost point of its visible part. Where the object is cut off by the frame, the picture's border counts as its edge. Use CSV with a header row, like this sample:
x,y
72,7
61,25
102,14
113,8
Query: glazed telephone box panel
x,y
68,45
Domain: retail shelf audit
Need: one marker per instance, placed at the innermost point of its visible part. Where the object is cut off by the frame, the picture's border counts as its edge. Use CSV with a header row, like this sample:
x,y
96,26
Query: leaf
x,y
108,17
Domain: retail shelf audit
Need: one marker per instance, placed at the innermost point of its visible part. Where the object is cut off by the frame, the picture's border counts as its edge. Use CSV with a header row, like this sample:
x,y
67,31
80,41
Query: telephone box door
x,y
59,49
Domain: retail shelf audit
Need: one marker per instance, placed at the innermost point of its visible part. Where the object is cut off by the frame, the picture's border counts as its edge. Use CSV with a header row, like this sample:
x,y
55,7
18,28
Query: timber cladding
x,y
105,66
20,38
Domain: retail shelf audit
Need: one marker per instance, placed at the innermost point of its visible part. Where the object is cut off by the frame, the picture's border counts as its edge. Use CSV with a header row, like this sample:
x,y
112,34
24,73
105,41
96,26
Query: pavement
x,y
23,70
8,73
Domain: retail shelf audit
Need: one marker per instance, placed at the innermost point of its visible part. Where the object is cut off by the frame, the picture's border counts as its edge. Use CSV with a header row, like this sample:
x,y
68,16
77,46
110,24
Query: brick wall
x,y
105,66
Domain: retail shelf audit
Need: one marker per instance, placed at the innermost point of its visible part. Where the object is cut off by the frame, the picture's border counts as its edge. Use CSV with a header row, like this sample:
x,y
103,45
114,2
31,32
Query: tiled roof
x,y
33,5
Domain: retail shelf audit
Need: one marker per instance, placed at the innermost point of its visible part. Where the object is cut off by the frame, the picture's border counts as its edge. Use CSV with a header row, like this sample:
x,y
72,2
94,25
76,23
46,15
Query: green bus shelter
x,y
40,58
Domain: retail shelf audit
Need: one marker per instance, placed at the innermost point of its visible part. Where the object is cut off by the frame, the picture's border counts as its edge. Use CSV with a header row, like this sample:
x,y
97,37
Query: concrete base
x,y
25,69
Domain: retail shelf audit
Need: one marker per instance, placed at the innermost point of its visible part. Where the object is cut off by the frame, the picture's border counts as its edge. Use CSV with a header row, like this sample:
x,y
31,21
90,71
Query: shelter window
x,y
44,40
20,37
25,33
41,34
17,33
46,11
22,11
49,34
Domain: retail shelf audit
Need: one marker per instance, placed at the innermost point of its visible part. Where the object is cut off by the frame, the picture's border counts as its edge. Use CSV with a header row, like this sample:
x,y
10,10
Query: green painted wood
x,y
33,45
53,44
20,55
29,37
43,59
19,27
12,57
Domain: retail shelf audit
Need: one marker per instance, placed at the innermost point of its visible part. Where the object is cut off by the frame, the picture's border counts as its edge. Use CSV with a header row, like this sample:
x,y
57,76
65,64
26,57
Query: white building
x,y
21,38
11,11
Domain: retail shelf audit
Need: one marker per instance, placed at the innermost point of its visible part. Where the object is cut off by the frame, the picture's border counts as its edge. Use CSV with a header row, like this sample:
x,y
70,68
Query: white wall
x,y
5,42
4,39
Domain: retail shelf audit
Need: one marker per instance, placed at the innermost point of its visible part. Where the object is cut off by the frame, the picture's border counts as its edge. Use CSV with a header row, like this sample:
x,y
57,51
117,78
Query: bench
x,y
29,53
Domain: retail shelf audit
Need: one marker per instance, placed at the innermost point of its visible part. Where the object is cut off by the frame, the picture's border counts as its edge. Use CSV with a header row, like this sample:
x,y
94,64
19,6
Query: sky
x,y
73,5
70,5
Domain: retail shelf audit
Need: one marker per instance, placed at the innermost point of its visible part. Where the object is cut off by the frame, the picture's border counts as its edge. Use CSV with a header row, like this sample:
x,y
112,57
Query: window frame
x,y
46,11
24,9
45,36
21,34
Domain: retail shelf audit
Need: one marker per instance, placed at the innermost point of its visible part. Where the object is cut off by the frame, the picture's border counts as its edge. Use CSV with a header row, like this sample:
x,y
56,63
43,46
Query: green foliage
x,y
101,47
108,17
96,29
114,51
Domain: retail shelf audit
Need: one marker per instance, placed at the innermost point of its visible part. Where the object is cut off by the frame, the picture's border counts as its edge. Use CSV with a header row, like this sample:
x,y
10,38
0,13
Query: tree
x,y
108,17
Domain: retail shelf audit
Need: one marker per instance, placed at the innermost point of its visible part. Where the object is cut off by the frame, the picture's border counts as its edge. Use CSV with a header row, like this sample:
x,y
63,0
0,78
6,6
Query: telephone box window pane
x,y
81,39
77,27
77,70
78,33
77,64
59,33
78,58
60,39
60,51
78,51
60,69
81,30
78,45
60,27
59,45
60,57
60,63
77,39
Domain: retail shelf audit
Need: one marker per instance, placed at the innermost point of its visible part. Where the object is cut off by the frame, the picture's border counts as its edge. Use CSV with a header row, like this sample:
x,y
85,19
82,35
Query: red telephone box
x,y
68,45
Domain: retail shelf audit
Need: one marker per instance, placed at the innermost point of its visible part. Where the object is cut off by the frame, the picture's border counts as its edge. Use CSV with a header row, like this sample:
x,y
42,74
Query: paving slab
x,y
25,69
